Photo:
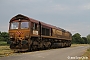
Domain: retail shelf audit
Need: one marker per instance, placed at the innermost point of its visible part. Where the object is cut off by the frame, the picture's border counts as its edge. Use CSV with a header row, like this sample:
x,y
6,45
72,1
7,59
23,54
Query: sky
x,y
71,15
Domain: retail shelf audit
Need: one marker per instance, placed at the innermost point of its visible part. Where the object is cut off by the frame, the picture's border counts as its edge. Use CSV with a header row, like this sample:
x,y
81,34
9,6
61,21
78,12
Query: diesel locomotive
x,y
29,34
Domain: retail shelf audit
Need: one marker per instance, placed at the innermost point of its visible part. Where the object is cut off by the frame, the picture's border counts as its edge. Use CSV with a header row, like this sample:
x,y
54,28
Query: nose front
x,y
21,38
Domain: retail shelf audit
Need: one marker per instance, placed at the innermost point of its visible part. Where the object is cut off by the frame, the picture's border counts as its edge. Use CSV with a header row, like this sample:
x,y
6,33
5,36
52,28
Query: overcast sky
x,y
71,15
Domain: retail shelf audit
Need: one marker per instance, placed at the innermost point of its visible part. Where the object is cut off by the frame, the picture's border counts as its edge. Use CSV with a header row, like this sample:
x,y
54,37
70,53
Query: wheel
x,y
62,45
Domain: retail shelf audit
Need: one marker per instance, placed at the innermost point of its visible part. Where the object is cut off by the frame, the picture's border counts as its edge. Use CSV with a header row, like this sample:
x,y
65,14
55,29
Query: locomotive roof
x,y
19,16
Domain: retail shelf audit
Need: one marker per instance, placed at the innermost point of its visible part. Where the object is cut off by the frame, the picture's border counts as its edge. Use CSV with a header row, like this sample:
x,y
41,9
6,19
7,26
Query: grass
x,y
87,54
4,49
75,45
3,43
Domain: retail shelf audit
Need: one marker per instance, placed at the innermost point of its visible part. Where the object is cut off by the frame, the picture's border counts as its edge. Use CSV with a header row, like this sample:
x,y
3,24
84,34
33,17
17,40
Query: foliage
x,y
77,39
4,36
85,41
3,43
88,39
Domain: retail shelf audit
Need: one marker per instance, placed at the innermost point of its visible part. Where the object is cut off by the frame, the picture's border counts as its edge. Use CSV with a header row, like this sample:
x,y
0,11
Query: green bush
x,y
4,36
3,43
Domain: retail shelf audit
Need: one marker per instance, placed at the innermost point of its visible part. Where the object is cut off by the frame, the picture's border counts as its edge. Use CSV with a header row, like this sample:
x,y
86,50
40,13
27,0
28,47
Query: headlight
x,y
11,36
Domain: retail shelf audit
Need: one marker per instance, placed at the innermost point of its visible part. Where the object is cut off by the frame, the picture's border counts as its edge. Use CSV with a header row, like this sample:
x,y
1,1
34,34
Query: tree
x,y
85,40
76,38
88,39
4,36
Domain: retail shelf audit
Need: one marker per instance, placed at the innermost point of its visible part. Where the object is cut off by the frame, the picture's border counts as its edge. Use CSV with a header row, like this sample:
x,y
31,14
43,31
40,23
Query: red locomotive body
x,y
30,34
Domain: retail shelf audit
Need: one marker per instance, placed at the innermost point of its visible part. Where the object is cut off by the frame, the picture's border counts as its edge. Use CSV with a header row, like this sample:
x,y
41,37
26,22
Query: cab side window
x,y
34,26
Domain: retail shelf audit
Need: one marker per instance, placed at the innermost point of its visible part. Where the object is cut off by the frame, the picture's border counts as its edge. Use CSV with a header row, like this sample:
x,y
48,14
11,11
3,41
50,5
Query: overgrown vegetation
x,y
87,53
4,36
3,43
5,51
77,39
4,47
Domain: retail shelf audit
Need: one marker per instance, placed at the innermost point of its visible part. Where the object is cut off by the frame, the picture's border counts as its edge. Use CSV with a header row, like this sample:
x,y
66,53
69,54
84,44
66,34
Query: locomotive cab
x,y
18,29
19,32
